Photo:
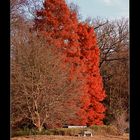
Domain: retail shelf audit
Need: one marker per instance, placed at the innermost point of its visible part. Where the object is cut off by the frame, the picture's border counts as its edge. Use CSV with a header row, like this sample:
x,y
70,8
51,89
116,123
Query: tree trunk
x,y
40,128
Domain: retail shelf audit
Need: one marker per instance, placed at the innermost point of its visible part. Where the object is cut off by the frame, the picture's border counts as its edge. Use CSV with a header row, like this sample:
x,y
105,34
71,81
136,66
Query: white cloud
x,y
108,2
112,2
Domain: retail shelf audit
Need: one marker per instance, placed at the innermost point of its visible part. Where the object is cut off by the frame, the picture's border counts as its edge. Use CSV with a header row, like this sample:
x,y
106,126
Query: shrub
x,y
105,129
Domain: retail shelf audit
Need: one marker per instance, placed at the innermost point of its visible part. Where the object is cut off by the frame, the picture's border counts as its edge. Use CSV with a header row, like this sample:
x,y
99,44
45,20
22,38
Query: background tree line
x,y
113,42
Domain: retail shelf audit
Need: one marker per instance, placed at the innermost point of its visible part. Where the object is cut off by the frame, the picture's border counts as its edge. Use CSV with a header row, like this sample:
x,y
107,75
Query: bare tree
x,y
16,11
112,38
40,88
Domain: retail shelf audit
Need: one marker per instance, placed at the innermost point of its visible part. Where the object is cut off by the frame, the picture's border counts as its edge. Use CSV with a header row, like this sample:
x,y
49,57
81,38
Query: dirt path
x,y
95,137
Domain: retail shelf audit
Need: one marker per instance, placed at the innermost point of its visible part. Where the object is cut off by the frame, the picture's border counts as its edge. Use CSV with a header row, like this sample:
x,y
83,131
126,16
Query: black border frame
x,y
5,69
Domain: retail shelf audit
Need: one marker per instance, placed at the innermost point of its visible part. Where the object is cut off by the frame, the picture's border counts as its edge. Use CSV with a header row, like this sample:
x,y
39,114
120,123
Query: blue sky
x,y
111,9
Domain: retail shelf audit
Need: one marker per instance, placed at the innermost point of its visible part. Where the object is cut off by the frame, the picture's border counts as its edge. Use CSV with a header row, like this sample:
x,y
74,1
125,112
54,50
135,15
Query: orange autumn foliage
x,y
78,42
59,25
94,109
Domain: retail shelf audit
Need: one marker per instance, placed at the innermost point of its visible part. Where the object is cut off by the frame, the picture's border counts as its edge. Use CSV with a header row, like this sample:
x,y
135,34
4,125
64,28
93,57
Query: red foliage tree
x,y
59,25
78,41
94,87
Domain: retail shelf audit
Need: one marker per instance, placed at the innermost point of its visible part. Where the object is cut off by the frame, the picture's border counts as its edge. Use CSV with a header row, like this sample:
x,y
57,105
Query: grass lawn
x,y
95,137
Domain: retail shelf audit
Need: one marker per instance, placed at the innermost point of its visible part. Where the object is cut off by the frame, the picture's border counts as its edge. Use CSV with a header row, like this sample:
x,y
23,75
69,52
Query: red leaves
x,y
94,87
78,42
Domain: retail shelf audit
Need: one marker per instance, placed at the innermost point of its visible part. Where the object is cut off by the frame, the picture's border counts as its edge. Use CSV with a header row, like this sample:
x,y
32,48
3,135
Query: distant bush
x,y
68,131
59,131
104,130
